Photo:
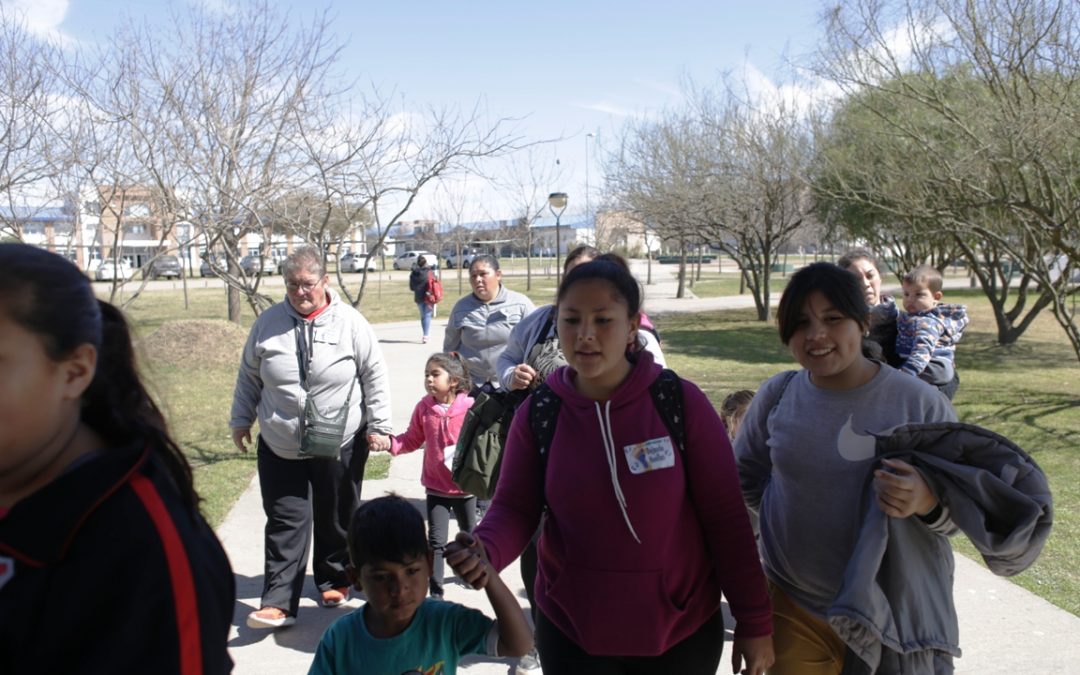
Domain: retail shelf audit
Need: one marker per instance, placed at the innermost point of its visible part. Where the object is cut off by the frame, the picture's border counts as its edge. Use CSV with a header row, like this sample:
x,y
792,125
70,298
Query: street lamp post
x,y
557,204
588,212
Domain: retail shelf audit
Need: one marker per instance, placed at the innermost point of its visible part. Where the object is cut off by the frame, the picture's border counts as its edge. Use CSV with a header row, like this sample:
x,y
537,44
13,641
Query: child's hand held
x,y
465,555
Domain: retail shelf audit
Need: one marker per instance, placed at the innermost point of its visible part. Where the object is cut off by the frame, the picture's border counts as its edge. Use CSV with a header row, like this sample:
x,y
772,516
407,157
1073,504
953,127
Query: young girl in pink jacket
x,y
435,424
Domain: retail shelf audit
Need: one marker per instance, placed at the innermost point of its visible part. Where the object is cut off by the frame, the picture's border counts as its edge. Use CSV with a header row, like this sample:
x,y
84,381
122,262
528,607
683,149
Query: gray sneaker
x,y
529,664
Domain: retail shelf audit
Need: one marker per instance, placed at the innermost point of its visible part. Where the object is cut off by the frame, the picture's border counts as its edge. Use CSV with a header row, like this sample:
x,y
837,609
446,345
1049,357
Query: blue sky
x,y
568,68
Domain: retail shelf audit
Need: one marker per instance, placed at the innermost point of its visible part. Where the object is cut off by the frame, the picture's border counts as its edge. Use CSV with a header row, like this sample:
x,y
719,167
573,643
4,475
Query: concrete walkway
x,y
1004,628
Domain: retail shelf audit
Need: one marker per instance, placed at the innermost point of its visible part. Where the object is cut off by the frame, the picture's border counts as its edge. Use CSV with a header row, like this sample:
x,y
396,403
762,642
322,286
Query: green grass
x,y
1026,392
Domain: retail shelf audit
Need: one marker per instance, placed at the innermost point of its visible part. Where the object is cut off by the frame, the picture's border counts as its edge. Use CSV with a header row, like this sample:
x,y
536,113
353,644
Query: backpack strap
x,y
789,375
667,395
543,415
544,406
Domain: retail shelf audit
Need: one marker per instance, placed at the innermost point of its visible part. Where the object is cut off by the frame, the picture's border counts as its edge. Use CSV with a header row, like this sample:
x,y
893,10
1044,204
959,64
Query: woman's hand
x,y
466,556
523,376
378,442
241,437
902,491
756,652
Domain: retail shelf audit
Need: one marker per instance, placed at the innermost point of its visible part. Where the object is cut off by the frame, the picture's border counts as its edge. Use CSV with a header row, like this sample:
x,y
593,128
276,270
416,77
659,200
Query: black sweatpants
x,y
299,493
698,654
439,508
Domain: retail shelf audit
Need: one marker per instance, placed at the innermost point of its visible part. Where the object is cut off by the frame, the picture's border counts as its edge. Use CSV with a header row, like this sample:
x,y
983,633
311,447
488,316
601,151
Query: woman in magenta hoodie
x,y
639,538
435,424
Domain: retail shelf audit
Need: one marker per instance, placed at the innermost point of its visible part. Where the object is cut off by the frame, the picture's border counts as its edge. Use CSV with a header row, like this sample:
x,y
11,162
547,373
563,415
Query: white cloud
x,y
607,108
42,17
222,7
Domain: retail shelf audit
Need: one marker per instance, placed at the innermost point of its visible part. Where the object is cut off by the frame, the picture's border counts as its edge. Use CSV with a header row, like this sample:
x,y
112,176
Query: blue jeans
x,y
425,317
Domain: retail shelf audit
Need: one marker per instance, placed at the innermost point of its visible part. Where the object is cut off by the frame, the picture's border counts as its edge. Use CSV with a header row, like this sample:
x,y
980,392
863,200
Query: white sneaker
x,y
529,664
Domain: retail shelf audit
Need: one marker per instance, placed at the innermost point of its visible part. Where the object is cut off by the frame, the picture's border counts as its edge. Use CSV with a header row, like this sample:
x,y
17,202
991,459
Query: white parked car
x,y
406,260
351,262
107,270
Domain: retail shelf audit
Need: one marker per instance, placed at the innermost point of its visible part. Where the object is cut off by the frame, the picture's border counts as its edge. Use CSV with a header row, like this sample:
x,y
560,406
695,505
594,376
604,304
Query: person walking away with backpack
x,y
435,424
630,575
419,283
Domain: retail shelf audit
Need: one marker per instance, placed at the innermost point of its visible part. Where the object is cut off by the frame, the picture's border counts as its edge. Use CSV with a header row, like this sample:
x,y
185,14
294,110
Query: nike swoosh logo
x,y
854,447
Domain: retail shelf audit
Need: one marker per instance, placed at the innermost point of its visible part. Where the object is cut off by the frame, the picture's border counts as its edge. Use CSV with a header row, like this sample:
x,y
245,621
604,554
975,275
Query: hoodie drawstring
x,y
609,451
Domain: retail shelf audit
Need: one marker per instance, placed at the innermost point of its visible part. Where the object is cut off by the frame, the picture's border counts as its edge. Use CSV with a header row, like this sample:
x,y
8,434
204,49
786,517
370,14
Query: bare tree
x,y
393,158
228,89
450,210
531,175
727,173
30,90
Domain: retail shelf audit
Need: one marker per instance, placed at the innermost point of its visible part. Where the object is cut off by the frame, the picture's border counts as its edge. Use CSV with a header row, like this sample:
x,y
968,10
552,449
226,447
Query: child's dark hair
x,y
735,405
925,274
50,297
839,286
454,365
386,529
609,267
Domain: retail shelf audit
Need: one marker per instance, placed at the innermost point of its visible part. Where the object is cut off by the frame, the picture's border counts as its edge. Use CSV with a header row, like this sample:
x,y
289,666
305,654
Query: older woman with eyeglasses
x,y
311,371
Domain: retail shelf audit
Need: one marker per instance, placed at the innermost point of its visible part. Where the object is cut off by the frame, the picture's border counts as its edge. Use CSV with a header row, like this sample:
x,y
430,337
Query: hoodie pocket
x,y
616,612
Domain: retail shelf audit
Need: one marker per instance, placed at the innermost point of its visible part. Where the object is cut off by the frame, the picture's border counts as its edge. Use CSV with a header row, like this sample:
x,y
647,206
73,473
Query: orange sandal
x,y
335,597
270,617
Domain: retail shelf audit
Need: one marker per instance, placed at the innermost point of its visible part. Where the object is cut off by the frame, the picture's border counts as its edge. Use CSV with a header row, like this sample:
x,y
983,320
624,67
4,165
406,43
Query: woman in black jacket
x,y
106,564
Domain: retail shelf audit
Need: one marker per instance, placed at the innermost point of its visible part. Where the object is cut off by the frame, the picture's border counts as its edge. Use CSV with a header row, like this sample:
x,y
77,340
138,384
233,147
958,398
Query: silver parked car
x,y
107,270
167,266
258,264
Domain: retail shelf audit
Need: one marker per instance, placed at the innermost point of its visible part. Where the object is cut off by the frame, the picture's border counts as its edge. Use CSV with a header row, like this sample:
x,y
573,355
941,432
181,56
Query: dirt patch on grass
x,y
194,343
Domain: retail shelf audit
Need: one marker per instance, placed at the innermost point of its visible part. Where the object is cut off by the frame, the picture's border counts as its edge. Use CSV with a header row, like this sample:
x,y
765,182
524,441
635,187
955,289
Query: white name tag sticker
x,y
648,456
328,335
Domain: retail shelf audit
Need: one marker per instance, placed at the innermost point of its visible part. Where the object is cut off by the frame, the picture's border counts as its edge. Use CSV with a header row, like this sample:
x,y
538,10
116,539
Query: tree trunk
x,y
681,293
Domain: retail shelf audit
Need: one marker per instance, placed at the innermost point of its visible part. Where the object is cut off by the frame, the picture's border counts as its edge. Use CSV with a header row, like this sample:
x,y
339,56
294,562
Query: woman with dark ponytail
x,y
106,564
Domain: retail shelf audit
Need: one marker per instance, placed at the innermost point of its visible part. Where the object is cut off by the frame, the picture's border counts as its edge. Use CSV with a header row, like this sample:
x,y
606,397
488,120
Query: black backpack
x,y
667,395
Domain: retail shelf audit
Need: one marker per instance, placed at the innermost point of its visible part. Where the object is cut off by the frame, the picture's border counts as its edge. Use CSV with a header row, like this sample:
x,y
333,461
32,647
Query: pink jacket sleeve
x,y
413,437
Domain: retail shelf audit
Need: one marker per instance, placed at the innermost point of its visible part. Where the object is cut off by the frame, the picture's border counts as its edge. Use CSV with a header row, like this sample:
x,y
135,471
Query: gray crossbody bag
x,y
320,435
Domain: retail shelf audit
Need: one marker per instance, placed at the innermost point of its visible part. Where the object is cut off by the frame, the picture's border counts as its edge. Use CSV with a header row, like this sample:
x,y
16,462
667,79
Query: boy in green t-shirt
x,y
399,629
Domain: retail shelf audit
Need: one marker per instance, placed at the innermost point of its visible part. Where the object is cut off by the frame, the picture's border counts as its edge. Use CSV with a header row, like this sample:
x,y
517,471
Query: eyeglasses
x,y
293,287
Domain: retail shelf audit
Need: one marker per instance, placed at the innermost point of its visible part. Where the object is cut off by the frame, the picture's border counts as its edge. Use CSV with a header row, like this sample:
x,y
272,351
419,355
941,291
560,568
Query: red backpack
x,y
434,289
